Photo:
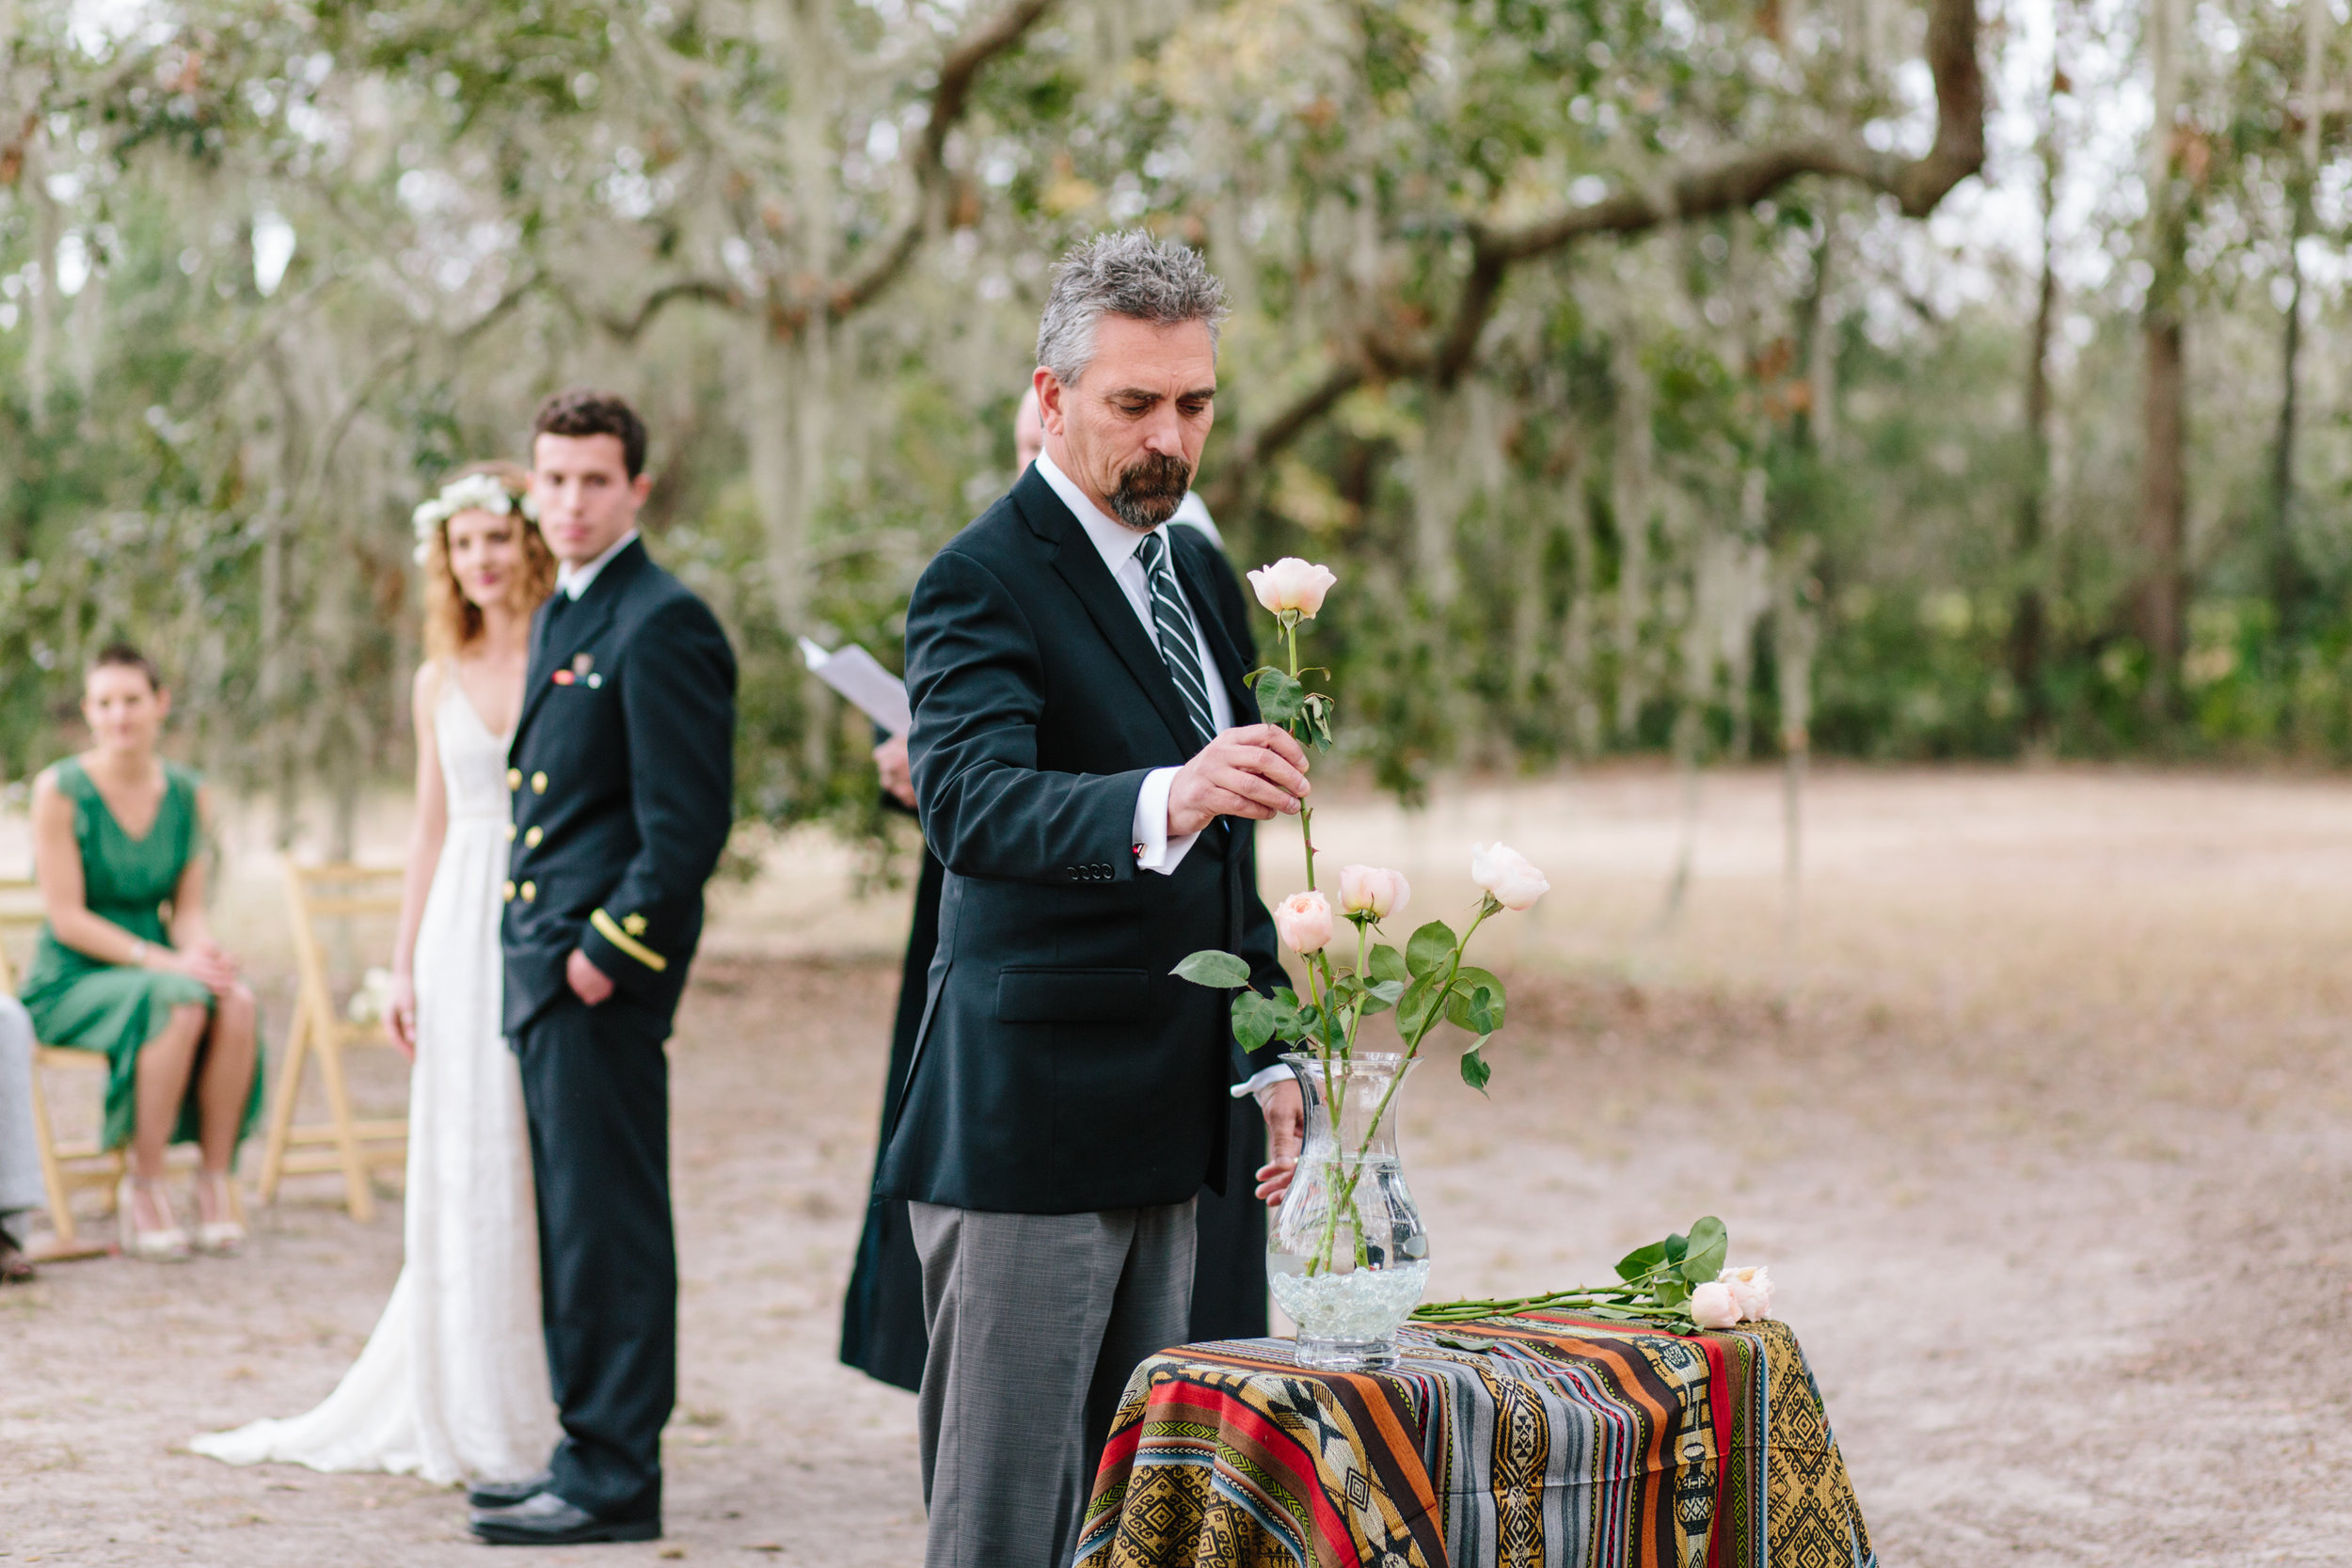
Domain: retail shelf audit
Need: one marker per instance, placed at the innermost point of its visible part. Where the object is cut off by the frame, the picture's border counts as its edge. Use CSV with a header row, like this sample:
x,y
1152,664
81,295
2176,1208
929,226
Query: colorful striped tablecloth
x,y
1540,1439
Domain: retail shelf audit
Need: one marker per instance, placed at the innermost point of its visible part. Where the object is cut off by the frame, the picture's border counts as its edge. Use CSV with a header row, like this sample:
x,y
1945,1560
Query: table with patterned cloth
x,y
1542,1438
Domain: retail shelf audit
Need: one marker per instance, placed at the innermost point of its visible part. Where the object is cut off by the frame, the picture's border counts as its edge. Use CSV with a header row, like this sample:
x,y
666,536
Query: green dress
x,y
81,1004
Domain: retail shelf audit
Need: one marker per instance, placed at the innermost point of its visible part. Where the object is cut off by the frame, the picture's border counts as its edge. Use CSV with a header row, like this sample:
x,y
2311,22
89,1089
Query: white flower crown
x,y
473,492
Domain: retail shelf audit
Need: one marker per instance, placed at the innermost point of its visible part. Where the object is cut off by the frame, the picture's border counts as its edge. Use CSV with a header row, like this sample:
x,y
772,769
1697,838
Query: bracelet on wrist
x,y
139,949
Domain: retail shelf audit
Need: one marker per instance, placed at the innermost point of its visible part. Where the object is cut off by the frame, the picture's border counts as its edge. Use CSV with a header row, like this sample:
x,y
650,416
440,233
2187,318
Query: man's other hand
x,y
1256,771
587,981
1285,1110
897,775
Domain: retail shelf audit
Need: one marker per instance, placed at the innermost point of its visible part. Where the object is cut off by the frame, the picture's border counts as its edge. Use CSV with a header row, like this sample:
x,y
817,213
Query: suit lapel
x,y
552,641
1081,566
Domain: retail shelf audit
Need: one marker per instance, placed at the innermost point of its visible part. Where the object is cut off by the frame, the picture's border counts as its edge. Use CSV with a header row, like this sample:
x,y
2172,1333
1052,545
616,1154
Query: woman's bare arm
x,y
424,855
191,930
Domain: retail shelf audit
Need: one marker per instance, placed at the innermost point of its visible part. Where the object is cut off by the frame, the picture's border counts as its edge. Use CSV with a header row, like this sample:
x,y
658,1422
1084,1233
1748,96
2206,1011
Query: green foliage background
x,y
1746,481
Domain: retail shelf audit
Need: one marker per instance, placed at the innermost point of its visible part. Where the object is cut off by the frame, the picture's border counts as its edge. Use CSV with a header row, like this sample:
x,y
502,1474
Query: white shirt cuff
x,y
1262,1079
1156,850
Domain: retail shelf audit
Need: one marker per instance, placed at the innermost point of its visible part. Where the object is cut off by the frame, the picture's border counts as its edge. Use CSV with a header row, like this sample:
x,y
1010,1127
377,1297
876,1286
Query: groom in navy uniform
x,y
622,773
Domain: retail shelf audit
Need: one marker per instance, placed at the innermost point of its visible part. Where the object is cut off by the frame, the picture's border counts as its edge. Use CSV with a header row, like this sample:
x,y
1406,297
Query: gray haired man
x,y
1081,752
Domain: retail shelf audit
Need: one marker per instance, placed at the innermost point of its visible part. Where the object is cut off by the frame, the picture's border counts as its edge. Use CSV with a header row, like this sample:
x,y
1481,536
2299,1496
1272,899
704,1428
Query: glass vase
x,y
1347,1256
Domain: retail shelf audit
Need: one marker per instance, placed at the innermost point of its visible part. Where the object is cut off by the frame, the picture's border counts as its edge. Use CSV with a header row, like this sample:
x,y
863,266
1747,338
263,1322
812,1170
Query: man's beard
x,y
1150,493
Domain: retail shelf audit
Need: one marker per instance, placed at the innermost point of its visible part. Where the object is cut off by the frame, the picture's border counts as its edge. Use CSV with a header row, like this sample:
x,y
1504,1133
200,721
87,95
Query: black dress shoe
x,y
544,1519
506,1494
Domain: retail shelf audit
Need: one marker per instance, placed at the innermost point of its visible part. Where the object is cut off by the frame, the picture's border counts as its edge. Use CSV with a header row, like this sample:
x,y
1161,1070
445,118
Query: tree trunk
x,y
1630,484
2163,485
2290,586
2029,617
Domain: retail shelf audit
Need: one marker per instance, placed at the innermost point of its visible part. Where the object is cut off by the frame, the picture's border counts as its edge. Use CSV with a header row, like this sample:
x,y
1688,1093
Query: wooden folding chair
x,y
65,1167
321,1033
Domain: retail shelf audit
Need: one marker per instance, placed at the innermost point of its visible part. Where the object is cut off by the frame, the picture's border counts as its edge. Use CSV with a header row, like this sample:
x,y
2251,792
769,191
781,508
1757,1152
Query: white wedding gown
x,y
452,1385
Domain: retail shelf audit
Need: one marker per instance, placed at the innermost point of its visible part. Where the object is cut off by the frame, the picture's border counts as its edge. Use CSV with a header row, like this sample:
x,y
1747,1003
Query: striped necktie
x,y
1179,647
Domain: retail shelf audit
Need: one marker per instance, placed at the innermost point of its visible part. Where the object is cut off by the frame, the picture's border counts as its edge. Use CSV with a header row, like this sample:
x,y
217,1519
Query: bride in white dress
x,y
452,1385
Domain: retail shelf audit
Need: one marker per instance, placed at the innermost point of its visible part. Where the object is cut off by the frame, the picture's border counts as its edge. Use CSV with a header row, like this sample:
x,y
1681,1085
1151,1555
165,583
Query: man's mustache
x,y
1149,491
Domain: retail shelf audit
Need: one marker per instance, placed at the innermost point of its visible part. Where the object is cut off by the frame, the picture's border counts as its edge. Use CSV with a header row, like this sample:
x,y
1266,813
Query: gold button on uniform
x,y
508,892
510,833
533,837
531,890
539,783
513,778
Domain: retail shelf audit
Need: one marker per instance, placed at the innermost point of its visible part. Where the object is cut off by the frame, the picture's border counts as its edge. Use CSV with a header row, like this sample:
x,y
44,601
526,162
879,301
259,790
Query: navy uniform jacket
x,y
623,777
1061,1068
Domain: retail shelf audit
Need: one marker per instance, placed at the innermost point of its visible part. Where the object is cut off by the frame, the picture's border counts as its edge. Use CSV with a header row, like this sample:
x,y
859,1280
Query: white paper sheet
x,y
859,676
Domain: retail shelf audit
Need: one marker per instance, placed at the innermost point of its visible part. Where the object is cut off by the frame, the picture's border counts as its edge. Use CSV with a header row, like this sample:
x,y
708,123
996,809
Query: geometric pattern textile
x,y
1516,1441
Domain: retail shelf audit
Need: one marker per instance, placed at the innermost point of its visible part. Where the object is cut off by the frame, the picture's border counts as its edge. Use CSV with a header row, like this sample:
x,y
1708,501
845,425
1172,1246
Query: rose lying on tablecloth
x,y
1678,1283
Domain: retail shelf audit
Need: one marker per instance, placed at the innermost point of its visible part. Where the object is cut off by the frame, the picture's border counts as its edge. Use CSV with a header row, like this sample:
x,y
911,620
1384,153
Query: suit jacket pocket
x,y
1029,994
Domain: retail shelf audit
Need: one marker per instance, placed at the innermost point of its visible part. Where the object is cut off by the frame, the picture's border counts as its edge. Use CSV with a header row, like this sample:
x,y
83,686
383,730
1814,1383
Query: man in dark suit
x,y
622,770
881,1312
1079,750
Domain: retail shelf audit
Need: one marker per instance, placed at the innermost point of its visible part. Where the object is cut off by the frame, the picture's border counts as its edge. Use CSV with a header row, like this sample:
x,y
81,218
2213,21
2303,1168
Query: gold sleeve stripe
x,y
610,931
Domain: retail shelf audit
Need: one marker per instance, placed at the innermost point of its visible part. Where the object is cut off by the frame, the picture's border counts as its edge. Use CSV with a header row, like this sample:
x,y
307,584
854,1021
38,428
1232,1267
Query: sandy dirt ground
x,y
2039,1110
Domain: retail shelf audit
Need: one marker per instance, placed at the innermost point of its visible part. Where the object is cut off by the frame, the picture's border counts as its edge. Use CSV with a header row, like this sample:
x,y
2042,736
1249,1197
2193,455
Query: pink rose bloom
x,y
1751,1287
1373,891
1291,583
1304,921
1508,874
1713,1306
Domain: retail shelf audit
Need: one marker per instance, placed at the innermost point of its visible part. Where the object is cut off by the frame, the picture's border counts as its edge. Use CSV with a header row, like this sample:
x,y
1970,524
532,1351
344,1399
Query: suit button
x,y
513,778
531,890
508,892
533,837
510,833
539,783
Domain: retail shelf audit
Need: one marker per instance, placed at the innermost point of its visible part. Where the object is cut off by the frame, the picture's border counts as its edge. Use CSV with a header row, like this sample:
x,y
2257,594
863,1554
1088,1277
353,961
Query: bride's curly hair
x,y
452,621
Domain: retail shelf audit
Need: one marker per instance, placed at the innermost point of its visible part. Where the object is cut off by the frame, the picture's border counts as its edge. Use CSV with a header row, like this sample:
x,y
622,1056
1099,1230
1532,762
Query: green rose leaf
x,y
1709,1245
1256,1019
1381,995
1431,949
1280,696
1209,967
1476,1002
1634,1264
1416,1006
1678,1247
1474,1068
1672,1292
1316,709
1387,963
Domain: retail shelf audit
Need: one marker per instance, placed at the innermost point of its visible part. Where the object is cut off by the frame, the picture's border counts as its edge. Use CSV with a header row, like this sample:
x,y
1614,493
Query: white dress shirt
x,y
1116,543
572,582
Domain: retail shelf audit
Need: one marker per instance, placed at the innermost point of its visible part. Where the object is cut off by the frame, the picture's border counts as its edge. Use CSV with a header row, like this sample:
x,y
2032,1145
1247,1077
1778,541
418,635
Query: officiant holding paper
x,y
882,1315
1080,754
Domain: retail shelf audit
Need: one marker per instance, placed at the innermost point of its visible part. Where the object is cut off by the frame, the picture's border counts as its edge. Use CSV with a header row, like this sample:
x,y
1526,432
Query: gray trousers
x,y
20,1190
1037,1322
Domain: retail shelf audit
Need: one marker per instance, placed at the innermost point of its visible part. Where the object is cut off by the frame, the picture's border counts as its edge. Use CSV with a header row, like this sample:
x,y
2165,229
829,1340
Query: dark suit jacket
x,y
623,774
1061,1068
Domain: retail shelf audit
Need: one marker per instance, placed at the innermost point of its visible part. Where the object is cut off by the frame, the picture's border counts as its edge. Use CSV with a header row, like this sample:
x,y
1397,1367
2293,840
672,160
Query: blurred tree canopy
x,y
1737,379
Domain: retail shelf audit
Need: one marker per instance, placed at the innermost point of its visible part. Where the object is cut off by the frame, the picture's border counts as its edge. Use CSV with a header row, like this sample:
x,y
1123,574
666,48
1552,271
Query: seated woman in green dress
x,y
126,965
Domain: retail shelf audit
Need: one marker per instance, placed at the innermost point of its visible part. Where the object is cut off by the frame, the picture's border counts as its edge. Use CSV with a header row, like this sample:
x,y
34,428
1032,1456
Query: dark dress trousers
x,y
1058,1067
622,773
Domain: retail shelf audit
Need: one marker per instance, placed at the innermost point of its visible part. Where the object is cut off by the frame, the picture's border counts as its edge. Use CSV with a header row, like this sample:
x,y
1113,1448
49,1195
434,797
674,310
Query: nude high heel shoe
x,y
166,1242
224,1236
